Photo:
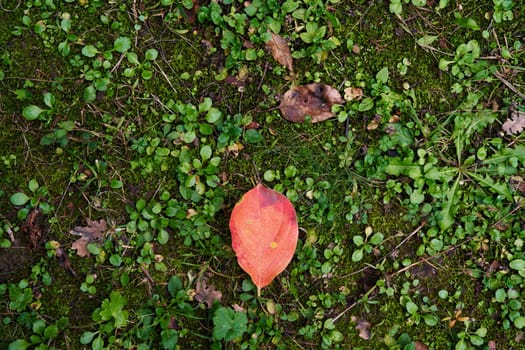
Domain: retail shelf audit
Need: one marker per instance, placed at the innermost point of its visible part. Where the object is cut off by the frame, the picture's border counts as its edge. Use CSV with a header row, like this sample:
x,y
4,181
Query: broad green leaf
x,y
519,322
253,136
152,54
228,324
89,51
426,40
417,197
481,332
500,188
122,44
90,94
19,199
507,153
377,238
399,167
87,337
33,185
32,112
205,105
411,308
365,105
430,320
51,331
98,344
461,345
169,338
358,240
132,58
357,255
517,264
163,236
396,7
213,115
445,174
49,99
206,152
19,344
448,212
382,75
174,285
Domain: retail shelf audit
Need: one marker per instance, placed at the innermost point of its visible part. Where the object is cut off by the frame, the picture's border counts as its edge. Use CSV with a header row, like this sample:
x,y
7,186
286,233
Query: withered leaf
x,y
34,227
93,232
420,346
352,93
280,51
314,100
515,123
64,261
205,293
364,329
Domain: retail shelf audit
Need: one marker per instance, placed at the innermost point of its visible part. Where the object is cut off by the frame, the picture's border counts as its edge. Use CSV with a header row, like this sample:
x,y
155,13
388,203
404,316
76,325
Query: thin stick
x,y
509,85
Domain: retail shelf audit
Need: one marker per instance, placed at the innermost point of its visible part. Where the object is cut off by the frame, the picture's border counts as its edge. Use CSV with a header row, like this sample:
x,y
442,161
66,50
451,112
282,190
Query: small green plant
x,y
87,286
111,316
36,199
467,62
367,243
6,234
34,112
229,325
503,10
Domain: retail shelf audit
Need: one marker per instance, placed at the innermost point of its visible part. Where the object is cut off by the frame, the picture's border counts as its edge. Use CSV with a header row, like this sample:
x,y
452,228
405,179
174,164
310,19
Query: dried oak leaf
x,y
314,100
280,51
515,123
205,293
93,232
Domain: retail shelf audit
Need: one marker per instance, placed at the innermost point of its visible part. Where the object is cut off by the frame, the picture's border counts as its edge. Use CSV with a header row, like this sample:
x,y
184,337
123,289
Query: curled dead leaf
x,y
352,93
364,329
374,124
205,293
314,100
238,308
280,51
34,227
420,346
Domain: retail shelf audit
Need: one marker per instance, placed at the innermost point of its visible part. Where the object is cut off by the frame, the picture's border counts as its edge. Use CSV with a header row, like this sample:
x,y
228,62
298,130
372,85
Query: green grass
x,y
158,116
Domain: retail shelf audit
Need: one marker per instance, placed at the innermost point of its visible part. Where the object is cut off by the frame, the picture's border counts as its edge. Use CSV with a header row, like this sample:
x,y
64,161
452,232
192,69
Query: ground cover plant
x,y
130,130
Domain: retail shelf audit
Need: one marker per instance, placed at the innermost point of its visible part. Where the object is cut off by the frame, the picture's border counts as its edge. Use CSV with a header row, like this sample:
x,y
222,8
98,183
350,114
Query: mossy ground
x,y
107,127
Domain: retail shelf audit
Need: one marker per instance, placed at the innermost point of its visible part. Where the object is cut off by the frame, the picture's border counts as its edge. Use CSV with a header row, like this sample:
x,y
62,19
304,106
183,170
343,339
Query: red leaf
x,y
264,231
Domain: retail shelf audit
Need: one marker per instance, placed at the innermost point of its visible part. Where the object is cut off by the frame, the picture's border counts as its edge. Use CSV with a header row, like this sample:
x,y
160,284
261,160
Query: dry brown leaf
x,y
352,93
34,227
374,124
364,329
314,100
238,308
518,183
515,123
205,293
280,51
64,261
94,231
420,346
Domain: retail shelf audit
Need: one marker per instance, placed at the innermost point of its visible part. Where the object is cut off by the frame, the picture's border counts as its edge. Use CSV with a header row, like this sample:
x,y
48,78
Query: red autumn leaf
x,y
264,231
